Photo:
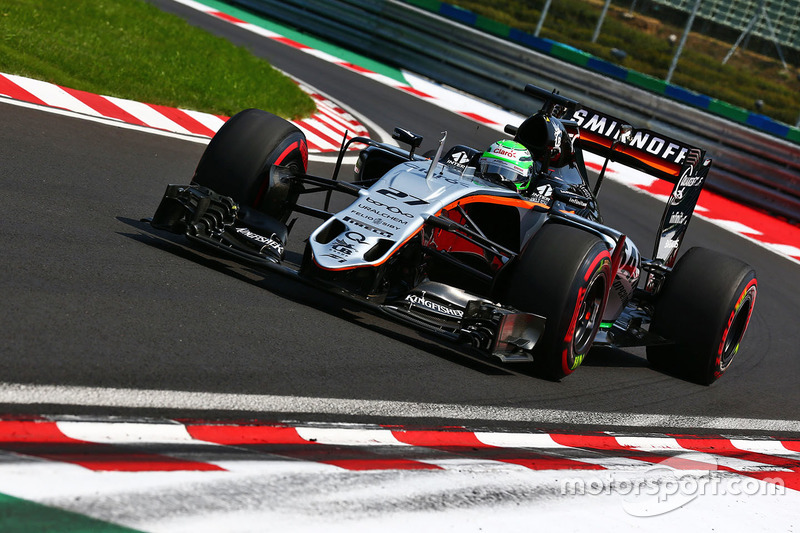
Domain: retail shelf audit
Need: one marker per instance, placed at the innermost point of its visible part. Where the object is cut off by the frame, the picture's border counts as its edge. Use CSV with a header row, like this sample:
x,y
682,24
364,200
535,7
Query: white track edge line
x,y
16,393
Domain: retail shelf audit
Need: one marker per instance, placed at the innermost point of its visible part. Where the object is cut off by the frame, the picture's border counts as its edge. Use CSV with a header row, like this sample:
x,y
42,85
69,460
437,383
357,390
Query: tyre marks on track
x,y
166,475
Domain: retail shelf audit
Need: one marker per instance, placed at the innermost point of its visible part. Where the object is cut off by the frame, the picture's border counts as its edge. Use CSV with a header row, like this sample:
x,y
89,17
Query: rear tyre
x,y
238,160
563,275
704,306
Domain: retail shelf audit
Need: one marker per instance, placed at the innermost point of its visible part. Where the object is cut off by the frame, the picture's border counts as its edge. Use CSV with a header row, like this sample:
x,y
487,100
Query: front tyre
x,y
563,274
704,307
238,160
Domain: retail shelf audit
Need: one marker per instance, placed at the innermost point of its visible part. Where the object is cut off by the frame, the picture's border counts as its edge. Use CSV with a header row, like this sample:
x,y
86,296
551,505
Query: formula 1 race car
x,y
503,249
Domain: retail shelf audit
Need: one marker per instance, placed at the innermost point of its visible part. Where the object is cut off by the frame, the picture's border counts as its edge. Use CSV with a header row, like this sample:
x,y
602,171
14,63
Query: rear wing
x,y
655,154
677,162
645,150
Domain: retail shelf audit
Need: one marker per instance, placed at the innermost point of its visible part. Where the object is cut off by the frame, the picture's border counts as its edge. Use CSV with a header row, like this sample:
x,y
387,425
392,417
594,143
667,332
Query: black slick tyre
x,y
704,307
563,275
238,159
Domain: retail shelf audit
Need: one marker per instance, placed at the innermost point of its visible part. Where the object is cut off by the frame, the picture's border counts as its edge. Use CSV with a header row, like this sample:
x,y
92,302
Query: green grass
x,y
23,516
747,77
131,49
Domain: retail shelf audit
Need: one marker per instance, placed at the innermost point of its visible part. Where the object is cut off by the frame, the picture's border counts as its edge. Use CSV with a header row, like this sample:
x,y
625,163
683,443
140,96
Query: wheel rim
x,y
588,320
735,332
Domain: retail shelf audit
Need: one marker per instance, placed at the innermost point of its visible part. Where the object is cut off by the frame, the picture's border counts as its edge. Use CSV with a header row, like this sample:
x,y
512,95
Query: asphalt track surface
x,y
93,297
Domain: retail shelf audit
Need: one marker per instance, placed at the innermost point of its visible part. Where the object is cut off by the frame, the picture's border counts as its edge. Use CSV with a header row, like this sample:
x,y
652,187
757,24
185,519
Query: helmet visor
x,y
505,170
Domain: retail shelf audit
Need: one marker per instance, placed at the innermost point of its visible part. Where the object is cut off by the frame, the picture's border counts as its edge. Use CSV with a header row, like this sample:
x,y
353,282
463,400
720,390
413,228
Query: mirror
x,y
407,137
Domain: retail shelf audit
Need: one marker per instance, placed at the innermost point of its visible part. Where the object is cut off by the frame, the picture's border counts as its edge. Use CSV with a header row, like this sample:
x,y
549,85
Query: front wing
x,y
217,222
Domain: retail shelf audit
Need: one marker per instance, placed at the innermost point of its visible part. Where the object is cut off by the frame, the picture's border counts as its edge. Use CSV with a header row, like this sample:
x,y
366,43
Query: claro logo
x,y
503,151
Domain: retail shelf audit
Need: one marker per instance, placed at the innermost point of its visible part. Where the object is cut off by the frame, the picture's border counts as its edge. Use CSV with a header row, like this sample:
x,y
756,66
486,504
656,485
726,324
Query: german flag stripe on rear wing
x,y
646,150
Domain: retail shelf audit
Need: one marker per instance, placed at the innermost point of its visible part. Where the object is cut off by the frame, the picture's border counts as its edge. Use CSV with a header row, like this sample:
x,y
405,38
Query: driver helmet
x,y
507,162
548,140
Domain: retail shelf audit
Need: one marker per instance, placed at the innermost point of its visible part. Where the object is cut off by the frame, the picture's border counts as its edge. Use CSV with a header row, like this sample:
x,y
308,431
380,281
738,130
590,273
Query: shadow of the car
x,y
300,293
606,356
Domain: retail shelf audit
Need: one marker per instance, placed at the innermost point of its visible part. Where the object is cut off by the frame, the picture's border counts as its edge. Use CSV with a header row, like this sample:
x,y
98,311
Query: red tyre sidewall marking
x,y
598,264
297,145
750,290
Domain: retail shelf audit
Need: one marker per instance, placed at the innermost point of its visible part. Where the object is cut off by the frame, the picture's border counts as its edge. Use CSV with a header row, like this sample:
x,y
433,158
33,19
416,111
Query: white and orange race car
x,y
504,250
